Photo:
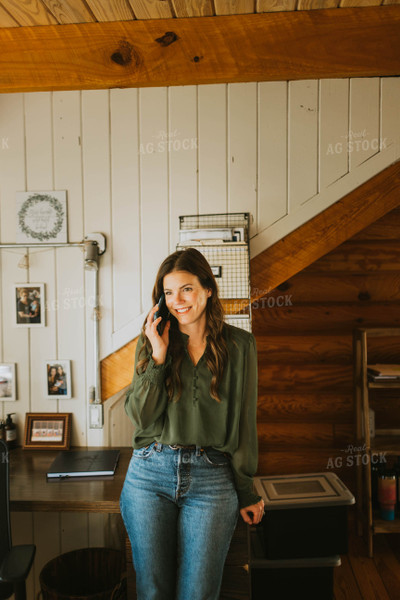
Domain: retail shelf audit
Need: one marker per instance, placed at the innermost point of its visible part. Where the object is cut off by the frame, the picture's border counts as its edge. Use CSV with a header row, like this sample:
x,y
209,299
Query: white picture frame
x,y
41,217
29,304
7,382
57,379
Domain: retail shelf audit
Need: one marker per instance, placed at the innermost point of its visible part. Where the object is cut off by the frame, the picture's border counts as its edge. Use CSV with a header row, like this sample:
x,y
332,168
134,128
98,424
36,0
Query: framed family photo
x,y
29,304
7,382
58,379
48,430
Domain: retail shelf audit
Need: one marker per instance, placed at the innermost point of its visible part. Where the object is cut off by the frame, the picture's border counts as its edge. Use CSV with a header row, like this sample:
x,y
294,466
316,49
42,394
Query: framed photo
x,y
29,302
48,430
41,217
58,379
7,382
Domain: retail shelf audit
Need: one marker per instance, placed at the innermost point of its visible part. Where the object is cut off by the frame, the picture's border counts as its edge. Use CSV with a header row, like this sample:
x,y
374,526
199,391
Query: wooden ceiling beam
x,y
316,44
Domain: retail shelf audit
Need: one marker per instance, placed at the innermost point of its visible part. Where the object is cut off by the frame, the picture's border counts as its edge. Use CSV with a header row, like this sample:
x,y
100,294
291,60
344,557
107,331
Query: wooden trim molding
x,y
117,369
338,223
349,42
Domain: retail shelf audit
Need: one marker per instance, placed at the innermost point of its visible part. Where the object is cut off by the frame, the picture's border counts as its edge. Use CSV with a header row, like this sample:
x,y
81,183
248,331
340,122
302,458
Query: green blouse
x,y
196,418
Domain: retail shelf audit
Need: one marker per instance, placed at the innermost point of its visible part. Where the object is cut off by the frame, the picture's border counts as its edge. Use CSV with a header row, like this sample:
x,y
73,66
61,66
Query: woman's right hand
x,y
158,343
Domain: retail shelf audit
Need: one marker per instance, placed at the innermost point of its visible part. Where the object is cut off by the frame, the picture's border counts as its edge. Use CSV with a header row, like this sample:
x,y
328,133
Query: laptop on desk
x,y
83,463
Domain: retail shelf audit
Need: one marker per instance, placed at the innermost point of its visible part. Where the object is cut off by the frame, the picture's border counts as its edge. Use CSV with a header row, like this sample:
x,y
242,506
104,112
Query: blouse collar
x,y
185,337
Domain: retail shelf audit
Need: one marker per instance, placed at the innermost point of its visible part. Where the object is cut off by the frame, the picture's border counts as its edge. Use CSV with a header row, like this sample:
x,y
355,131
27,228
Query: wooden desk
x,y
31,491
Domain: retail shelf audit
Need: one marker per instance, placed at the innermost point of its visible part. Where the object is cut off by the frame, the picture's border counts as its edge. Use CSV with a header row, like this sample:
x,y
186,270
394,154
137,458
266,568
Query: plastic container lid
x,y
307,490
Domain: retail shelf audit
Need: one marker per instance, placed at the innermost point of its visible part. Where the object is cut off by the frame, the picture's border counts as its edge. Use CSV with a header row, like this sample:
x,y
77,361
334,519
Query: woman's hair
x,y
192,261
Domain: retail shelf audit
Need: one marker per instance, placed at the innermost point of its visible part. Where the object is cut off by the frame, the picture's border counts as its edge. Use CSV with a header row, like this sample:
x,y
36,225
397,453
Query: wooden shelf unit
x,y
369,522
375,385
385,443
381,526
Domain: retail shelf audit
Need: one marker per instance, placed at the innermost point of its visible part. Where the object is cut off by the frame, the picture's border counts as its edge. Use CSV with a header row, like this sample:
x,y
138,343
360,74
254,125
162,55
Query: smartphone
x,y
161,312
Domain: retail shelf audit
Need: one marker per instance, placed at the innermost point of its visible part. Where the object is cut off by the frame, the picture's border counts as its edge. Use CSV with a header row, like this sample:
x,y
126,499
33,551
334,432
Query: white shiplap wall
x,y
132,161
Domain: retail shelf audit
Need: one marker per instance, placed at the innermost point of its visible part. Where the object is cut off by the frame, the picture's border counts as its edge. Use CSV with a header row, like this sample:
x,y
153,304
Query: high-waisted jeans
x,y
180,509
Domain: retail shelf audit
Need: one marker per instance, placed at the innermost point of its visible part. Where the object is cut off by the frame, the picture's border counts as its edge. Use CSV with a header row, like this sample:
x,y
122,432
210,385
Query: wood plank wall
x,y
304,337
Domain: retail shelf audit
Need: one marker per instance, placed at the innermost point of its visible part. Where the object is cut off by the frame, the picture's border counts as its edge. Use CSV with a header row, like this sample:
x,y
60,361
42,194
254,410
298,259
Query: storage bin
x,y
302,579
305,515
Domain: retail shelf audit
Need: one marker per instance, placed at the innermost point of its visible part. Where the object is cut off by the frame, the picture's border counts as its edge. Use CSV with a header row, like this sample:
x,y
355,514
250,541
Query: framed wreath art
x,y
42,217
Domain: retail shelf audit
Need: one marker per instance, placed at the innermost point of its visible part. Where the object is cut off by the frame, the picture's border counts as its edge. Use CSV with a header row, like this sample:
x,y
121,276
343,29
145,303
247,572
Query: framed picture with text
x,y
41,217
48,430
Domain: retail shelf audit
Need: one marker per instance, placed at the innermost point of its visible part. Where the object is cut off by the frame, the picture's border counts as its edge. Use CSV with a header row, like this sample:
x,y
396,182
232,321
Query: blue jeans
x,y
180,509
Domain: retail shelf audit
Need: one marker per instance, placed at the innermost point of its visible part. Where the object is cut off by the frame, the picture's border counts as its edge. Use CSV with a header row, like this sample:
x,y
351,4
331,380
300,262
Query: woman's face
x,y
60,370
53,371
186,298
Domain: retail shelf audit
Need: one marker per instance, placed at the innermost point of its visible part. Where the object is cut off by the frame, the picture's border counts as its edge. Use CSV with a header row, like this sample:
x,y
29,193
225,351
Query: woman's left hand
x,y
253,514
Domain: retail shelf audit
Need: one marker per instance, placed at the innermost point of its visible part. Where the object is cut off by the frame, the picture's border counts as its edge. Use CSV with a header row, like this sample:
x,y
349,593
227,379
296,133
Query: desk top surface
x,y
31,491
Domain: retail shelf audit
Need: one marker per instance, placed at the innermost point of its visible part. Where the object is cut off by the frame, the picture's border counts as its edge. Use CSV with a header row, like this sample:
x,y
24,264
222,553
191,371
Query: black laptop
x,y
84,463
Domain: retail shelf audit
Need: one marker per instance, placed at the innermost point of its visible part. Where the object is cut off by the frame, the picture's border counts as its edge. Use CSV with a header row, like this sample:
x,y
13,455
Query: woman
x,y
52,380
61,382
193,403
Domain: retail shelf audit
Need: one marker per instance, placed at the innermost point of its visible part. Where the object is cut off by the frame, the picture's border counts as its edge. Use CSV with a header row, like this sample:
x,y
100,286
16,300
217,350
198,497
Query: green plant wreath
x,y
31,201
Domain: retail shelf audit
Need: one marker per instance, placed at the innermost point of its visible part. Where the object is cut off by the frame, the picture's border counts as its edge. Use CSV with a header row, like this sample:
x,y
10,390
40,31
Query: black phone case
x,y
161,312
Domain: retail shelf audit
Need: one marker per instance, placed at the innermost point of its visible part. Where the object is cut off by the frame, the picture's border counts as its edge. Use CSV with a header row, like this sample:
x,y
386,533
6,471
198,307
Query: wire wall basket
x,y
223,239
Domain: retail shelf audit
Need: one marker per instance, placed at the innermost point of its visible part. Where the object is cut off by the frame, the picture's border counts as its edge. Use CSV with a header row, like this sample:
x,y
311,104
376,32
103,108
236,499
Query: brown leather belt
x,y
179,447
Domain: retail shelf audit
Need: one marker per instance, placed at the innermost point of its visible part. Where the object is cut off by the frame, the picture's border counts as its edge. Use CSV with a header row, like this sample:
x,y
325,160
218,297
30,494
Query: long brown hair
x,y
192,261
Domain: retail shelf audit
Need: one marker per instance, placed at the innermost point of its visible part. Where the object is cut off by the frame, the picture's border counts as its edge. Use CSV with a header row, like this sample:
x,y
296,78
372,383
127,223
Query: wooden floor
x,y
363,578
358,577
